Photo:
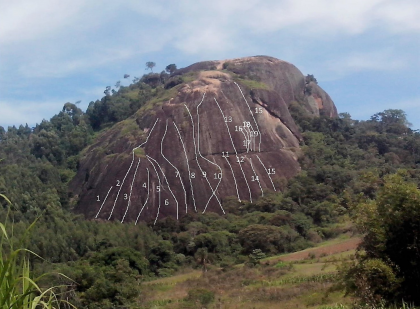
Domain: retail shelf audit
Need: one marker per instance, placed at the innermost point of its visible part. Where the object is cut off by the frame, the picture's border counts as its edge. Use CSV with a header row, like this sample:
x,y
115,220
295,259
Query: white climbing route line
x,y
148,193
177,171
256,176
188,167
167,182
118,194
131,191
233,174
198,148
234,178
160,188
246,139
200,134
267,173
196,157
103,202
132,161
236,152
250,134
147,139
259,133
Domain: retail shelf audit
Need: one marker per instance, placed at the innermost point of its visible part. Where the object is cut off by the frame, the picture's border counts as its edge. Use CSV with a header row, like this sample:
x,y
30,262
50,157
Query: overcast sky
x,y
364,53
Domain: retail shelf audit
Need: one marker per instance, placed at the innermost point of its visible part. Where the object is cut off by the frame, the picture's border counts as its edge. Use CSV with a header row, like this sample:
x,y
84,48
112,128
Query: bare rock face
x,y
226,134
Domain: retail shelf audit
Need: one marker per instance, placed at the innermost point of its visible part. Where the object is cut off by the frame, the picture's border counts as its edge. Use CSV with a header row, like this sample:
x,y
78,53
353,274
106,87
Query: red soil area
x,y
346,245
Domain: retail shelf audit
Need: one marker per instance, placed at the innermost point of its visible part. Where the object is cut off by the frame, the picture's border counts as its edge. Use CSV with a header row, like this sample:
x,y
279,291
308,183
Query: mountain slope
x,y
220,129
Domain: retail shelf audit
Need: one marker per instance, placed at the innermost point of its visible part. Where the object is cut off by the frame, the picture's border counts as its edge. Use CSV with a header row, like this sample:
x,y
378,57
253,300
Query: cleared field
x,y
327,248
296,280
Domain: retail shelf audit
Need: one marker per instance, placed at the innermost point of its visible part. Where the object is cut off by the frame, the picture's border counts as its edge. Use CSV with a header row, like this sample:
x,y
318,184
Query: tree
x,y
391,121
170,68
73,111
2,134
391,244
202,256
19,288
268,238
255,257
310,78
150,65
151,79
126,75
163,77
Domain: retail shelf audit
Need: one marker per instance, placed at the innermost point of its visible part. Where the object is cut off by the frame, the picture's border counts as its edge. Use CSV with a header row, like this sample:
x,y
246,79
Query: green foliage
x,y
106,286
174,81
371,280
389,269
270,239
139,152
256,256
391,121
19,289
150,65
310,78
344,164
170,68
252,84
202,296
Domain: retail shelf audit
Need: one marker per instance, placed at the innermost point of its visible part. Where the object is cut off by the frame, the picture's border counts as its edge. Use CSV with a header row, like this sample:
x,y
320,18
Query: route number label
x,y
217,175
238,128
258,110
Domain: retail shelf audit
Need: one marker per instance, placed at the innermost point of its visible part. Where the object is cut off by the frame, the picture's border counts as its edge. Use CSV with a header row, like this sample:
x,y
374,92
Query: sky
x,y
364,53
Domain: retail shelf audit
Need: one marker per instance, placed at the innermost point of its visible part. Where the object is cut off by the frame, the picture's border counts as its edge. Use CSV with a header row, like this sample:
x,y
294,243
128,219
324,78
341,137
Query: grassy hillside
x,y
295,280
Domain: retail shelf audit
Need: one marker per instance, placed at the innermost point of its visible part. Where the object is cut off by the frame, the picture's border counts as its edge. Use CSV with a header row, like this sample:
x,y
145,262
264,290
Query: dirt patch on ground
x,y
346,245
214,75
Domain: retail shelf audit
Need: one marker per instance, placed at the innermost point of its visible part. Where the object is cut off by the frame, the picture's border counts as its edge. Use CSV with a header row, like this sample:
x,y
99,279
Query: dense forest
x,y
347,165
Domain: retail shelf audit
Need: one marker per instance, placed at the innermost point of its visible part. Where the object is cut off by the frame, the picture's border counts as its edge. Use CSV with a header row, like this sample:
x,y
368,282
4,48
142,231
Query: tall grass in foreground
x,y
18,288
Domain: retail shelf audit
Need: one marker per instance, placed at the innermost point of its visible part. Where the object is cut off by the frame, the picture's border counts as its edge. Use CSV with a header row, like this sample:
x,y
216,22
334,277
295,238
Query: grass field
x,y
296,280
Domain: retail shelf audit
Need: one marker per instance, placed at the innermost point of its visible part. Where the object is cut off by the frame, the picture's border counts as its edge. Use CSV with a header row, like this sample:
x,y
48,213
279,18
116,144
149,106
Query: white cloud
x,y
69,36
400,16
201,23
383,60
49,39
47,67
30,20
30,112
